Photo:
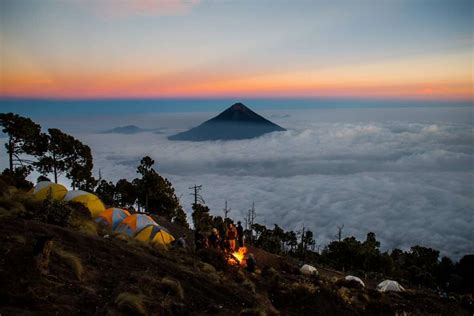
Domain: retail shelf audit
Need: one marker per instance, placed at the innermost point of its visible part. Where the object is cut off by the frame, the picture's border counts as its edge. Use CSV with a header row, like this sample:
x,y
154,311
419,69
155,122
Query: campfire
x,y
237,257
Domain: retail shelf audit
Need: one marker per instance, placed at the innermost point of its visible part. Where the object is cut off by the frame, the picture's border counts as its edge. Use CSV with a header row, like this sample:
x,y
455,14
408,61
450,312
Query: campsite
x,y
109,261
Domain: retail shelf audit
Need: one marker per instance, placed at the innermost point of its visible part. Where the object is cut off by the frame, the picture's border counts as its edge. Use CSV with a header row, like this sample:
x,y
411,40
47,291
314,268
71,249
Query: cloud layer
x,y
405,174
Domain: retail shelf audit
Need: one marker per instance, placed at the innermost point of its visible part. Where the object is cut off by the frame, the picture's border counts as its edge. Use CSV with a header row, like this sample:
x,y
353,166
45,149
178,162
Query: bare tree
x,y
226,210
250,220
195,193
339,232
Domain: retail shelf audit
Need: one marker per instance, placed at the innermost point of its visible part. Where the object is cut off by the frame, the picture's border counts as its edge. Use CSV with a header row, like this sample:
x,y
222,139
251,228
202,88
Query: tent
x,y
111,217
89,200
155,234
389,285
134,223
43,188
308,270
354,278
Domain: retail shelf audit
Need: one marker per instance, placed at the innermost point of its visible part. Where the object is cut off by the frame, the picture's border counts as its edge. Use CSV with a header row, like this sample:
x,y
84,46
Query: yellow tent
x,y
155,234
43,188
89,200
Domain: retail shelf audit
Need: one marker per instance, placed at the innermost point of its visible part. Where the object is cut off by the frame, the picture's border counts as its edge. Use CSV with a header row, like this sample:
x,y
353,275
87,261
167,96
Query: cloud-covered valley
x,y
406,174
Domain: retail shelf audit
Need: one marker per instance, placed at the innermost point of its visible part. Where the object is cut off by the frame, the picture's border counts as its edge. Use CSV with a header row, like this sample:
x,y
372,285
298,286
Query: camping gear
x,y
111,217
354,278
390,286
155,234
133,224
43,189
89,200
309,270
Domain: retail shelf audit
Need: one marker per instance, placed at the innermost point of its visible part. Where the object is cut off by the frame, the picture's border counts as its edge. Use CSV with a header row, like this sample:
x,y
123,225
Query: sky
x,y
419,49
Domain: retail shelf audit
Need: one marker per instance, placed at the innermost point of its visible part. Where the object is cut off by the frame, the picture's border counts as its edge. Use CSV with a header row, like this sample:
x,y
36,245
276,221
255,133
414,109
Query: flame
x,y
237,257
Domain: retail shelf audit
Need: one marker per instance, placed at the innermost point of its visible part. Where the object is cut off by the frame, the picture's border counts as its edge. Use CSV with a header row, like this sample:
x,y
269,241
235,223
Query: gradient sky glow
x,y
150,48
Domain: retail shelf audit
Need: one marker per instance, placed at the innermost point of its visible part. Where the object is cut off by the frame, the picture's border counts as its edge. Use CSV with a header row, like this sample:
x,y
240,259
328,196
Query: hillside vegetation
x,y
89,270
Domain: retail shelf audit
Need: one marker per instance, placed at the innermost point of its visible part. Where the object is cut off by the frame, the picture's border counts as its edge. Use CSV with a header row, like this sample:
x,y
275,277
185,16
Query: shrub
x,y
10,208
172,287
206,267
54,212
214,258
248,285
132,303
272,276
300,291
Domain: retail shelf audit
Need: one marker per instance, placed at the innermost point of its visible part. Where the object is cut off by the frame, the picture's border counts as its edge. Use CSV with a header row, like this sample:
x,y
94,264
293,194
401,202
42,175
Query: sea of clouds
x,y
406,174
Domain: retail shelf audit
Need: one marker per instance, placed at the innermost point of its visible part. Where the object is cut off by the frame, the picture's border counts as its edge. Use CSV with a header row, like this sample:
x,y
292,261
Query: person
x,y
231,236
181,242
199,240
240,234
251,263
213,239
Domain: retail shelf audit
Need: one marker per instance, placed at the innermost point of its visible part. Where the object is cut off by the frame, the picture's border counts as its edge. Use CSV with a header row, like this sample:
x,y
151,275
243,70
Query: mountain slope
x,y
237,122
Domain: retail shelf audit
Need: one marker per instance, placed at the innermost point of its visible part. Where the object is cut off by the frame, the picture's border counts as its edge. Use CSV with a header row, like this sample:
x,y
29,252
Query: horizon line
x,y
237,98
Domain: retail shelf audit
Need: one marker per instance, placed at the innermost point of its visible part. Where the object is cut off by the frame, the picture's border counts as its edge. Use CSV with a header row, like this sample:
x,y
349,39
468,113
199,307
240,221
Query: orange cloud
x,y
444,77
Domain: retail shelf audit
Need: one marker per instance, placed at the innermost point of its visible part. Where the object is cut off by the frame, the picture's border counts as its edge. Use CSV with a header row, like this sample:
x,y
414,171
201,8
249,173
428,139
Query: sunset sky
x,y
151,49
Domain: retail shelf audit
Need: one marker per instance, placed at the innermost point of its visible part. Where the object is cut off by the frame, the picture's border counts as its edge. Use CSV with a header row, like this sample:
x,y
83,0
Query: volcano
x,y
237,122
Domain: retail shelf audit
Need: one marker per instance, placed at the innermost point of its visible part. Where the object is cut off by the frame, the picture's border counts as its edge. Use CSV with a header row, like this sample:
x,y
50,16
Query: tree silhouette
x,y
157,194
65,154
203,221
125,193
106,192
24,137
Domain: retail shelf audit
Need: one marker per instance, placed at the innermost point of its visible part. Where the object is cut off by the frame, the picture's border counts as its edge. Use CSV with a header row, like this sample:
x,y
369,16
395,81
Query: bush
x,y
214,258
54,212
131,303
172,287
249,285
272,276
206,267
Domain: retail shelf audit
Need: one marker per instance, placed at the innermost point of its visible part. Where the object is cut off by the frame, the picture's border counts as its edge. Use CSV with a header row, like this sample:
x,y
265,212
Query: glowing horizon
x,y
173,49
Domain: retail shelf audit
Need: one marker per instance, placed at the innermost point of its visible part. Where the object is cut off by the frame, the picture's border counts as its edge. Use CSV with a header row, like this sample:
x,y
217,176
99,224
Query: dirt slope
x,y
93,275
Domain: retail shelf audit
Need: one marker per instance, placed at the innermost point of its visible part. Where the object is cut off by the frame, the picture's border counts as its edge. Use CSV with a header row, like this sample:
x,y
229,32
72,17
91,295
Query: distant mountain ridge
x,y
236,122
130,129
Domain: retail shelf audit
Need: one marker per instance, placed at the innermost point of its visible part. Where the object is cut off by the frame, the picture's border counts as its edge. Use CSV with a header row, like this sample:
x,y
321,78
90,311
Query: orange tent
x,y
111,217
134,223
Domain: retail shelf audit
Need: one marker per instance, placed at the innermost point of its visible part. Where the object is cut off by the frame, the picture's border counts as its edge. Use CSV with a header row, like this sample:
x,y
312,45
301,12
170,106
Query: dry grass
x,y
85,226
172,287
248,285
10,208
158,246
207,268
132,303
19,239
256,311
73,261
303,288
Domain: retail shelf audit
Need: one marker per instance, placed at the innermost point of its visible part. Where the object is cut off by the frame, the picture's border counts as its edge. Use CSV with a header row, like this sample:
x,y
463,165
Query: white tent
x,y
389,285
308,270
354,278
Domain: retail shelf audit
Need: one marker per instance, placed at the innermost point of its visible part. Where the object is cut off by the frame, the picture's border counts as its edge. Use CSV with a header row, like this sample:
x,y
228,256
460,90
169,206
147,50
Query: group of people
x,y
231,239
228,241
